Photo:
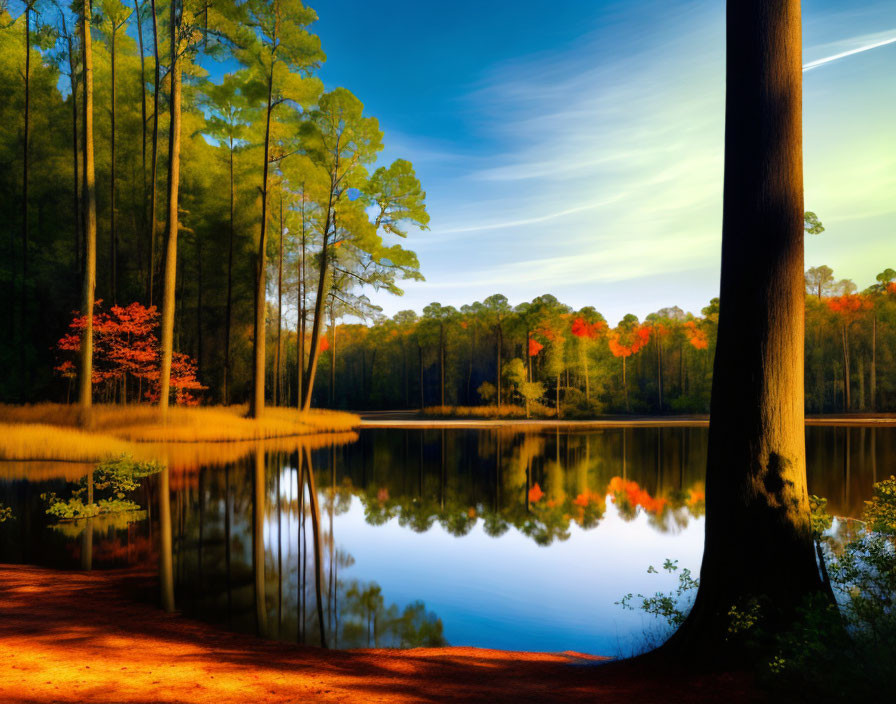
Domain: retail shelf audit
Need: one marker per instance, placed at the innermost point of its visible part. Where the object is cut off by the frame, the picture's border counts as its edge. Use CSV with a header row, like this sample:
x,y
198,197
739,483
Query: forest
x,y
133,181
285,223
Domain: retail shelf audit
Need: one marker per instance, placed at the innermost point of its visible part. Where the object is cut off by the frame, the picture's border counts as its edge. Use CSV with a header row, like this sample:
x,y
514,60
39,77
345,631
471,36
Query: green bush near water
x,y
115,478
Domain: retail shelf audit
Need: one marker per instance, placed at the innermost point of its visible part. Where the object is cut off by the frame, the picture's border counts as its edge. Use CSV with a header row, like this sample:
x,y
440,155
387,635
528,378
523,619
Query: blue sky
x,y
575,147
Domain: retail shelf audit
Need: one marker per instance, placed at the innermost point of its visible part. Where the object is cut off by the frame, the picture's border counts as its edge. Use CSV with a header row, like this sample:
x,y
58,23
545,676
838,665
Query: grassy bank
x,y
51,432
506,410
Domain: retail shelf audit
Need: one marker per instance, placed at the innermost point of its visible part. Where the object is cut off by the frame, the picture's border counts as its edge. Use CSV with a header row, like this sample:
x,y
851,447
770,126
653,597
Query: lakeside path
x,y
413,419
81,637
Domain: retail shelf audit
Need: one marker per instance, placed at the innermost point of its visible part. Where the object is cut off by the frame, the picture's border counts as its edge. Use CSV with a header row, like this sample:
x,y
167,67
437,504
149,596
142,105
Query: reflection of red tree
x,y
126,345
630,491
535,493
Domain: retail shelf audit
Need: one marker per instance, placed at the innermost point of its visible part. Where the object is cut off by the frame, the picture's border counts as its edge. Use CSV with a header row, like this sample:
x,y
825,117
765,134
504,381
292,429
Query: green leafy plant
x,y
672,607
116,477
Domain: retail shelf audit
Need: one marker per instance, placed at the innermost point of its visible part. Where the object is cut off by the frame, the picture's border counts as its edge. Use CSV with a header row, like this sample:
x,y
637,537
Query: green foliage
x,y
820,519
487,391
880,512
672,607
367,621
830,652
812,225
117,477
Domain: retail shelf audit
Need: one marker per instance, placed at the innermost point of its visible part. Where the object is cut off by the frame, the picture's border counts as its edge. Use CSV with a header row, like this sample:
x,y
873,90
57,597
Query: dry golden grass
x,y
39,441
50,432
536,410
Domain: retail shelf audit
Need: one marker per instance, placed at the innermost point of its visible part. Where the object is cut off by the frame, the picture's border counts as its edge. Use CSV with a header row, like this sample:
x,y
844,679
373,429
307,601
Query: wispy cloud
x,y
843,54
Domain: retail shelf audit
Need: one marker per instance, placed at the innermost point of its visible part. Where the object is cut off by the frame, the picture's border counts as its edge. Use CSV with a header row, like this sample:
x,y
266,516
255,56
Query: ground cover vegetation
x,y
834,650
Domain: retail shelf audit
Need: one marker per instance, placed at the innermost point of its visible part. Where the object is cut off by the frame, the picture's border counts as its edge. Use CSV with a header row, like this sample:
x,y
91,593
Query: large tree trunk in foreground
x,y
759,547
85,389
168,300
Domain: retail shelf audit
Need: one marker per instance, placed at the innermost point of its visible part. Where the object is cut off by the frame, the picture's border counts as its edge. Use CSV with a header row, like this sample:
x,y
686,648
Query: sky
x,y
575,147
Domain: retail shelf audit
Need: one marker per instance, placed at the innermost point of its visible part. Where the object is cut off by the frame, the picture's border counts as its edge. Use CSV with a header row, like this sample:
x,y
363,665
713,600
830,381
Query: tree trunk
x,y
85,388
228,314
333,362
300,325
314,352
256,402
154,166
757,510
498,368
420,357
168,301
277,367
442,361
873,378
847,396
142,103
76,180
198,306
113,235
25,166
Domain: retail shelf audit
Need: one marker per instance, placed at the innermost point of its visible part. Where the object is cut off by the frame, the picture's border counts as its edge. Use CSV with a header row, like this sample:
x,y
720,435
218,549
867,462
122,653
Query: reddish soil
x,y
81,637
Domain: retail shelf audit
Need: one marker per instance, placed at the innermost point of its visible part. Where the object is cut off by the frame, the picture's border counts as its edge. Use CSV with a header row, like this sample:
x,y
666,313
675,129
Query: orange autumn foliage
x,y
535,493
591,331
635,495
849,305
534,347
696,336
625,343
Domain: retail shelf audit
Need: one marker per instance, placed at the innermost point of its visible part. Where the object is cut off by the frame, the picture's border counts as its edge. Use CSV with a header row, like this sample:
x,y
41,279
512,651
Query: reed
x,y
51,432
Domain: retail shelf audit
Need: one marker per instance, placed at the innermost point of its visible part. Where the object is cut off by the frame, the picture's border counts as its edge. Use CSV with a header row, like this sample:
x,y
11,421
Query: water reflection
x,y
407,538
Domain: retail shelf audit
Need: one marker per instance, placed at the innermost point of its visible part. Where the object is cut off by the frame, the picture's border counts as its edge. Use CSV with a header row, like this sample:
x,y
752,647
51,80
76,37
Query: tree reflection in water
x,y
253,542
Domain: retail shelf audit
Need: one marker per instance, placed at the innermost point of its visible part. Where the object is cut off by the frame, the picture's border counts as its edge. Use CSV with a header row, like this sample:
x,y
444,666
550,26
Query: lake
x,y
488,538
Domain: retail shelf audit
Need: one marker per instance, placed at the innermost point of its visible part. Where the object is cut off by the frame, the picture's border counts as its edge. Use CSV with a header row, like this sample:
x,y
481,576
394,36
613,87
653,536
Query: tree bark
x,y
256,402
154,166
873,379
168,299
85,389
76,180
757,510
142,103
277,370
300,325
229,306
26,163
113,235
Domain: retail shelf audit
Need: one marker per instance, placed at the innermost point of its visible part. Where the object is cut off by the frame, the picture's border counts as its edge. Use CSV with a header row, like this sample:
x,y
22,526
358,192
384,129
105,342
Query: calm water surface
x,y
472,537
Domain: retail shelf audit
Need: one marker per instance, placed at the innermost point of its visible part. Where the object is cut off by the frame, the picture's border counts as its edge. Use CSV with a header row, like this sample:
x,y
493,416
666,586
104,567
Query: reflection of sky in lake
x,y
509,592
505,592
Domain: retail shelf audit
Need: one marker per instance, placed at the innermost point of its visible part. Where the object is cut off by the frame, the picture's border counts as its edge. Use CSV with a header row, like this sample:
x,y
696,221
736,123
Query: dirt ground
x,y
82,637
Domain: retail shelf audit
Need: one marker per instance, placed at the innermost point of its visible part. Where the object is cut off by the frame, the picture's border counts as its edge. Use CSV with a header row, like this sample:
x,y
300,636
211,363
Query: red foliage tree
x,y
126,346
534,347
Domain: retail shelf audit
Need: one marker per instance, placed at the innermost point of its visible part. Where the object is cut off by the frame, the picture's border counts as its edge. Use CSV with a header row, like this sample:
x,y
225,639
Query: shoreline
x,y
412,419
71,636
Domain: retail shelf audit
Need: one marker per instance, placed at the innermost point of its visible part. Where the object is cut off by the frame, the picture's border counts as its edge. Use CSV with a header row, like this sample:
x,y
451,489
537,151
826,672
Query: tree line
x,y
138,171
555,359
